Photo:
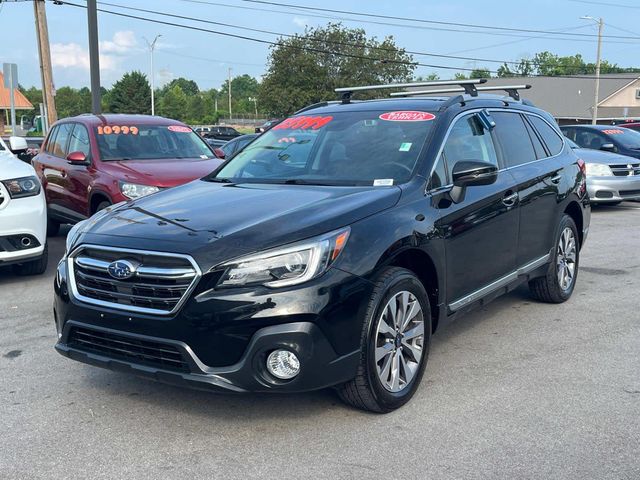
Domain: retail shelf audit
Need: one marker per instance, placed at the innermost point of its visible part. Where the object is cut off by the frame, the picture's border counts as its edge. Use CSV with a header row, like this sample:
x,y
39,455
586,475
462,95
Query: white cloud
x,y
301,22
122,43
164,76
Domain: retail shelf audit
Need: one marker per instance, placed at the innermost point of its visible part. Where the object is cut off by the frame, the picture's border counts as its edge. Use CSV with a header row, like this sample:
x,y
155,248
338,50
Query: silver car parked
x,y
611,177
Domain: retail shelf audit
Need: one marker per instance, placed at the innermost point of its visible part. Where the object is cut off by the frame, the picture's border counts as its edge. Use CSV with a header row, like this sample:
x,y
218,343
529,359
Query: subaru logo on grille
x,y
122,269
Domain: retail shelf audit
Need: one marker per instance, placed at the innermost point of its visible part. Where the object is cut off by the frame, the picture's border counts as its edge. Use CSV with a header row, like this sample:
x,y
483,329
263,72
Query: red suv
x,y
89,162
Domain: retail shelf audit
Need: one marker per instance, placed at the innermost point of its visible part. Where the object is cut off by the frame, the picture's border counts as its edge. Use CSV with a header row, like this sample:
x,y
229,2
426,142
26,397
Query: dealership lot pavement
x,y
516,390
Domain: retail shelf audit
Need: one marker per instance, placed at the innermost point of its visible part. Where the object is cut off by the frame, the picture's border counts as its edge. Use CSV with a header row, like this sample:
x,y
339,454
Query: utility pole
x,y
94,57
596,100
48,93
152,47
229,93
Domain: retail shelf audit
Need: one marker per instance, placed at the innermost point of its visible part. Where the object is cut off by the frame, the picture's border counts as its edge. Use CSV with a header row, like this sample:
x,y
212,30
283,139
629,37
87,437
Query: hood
x,y
234,219
607,158
160,173
11,167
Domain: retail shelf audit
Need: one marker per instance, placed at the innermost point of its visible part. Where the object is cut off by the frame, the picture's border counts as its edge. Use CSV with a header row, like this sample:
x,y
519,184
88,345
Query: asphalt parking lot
x,y
516,390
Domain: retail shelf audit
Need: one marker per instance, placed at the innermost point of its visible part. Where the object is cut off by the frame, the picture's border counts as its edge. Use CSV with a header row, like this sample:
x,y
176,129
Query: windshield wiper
x,y
219,180
299,181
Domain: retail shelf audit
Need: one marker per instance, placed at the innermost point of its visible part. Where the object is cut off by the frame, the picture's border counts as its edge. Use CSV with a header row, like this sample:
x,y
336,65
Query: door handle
x,y
556,179
510,200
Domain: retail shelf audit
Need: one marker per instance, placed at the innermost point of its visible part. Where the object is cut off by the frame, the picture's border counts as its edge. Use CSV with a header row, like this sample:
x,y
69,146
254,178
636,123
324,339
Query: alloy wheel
x,y
399,341
566,259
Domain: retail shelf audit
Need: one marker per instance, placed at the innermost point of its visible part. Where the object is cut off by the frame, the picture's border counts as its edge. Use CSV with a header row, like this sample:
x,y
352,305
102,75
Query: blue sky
x,y
205,58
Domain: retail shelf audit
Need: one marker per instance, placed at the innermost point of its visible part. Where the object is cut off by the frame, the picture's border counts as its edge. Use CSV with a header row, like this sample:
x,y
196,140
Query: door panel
x,y
79,177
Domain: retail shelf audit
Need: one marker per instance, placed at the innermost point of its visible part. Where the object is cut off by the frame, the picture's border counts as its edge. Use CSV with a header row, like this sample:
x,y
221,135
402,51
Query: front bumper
x,y
613,189
224,337
22,217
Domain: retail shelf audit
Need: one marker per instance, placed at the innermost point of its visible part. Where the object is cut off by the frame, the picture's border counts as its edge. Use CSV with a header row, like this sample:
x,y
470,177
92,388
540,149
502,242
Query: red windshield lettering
x,y
303,123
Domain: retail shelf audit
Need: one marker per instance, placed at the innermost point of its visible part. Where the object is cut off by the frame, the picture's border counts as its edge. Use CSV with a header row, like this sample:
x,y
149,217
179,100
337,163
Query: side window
x,y
537,143
51,140
514,139
590,139
469,140
551,138
59,147
80,140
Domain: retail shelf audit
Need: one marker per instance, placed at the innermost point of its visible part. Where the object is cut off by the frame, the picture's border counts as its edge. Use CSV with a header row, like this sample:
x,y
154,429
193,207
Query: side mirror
x,y
471,173
608,147
17,144
219,153
77,158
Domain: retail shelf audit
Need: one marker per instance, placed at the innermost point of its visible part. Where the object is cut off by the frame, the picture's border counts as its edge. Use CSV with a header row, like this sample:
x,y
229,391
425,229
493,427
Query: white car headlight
x,y
598,170
133,190
288,265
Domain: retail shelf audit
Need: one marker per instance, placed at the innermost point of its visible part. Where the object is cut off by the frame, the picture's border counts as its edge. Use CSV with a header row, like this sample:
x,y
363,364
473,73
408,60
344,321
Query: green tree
x,y
307,68
480,73
429,78
189,87
130,94
173,104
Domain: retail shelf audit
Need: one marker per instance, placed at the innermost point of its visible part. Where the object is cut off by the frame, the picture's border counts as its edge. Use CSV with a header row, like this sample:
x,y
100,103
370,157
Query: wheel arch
x,y
575,212
98,196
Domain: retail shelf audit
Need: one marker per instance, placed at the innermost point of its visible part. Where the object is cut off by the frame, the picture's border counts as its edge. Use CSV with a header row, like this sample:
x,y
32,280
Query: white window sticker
x,y
405,147
382,182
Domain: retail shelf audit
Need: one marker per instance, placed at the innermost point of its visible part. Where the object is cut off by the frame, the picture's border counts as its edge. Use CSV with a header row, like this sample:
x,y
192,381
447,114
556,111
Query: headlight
x,y
22,187
73,235
598,170
286,266
132,190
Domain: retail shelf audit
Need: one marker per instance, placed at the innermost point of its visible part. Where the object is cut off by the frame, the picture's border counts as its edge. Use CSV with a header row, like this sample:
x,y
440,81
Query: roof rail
x,y
512,91
468,86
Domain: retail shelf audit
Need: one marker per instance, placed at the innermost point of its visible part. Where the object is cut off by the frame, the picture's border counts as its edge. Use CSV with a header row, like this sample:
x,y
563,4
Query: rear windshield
x,y
345,148
150,142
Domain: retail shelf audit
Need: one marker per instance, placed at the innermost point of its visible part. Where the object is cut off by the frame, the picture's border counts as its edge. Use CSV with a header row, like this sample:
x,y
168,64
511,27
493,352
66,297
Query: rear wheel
x,y
34,267
560,280
394,344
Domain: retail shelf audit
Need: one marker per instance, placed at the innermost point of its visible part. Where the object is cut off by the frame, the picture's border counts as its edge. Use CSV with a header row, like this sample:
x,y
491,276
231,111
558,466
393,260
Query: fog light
x,y
283,364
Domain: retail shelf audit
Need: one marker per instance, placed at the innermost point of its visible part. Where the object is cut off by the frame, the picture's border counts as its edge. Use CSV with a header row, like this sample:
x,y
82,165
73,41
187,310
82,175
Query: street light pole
x,y
152,47
596,100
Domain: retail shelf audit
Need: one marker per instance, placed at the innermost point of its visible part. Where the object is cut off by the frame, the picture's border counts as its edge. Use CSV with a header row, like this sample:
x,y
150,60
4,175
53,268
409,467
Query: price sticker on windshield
x,y
117,130
178,128
407,116
614,131
303,122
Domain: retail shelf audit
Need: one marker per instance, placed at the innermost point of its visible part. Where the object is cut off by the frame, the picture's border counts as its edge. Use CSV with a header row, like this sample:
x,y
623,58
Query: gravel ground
x,y
515,390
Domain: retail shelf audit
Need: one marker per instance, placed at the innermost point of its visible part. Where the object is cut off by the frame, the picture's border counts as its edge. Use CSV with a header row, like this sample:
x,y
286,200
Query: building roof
x,y
21,102
571,97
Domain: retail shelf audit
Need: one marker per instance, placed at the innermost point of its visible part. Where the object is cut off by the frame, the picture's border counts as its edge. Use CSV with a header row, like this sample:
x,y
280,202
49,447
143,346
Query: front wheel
x,y
560,280
394,344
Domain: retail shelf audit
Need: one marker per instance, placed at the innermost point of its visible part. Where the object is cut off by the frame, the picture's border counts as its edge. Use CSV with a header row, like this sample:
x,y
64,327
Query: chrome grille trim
x,y
625,170
87,279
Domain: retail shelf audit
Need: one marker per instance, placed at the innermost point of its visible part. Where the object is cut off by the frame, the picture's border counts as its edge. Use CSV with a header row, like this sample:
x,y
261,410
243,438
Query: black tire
x,y
547,288
53,228
34,267
102,206
366,391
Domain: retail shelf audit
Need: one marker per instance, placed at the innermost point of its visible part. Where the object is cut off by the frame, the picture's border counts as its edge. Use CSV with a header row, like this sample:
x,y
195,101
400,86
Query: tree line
x,y
301,69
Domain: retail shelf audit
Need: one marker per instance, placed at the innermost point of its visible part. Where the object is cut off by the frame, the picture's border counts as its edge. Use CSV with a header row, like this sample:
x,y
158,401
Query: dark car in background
x,y
329,251
615,139
222,133
611,177
89,162
234,146
267,125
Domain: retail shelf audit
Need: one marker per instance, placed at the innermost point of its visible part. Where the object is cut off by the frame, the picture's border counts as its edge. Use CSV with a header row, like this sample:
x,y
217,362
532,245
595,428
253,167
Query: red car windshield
x,y
150,142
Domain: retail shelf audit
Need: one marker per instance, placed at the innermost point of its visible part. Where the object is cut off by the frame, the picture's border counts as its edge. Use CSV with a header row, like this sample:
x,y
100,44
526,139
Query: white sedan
x,y
23,213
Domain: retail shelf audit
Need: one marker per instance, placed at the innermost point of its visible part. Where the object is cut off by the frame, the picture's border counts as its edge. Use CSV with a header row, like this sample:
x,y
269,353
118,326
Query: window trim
x,y
86,129
490,109
541,138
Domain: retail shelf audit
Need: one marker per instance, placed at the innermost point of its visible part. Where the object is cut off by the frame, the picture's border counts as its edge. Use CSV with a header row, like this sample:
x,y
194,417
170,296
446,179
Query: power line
x,y
401,25
474,59
605,4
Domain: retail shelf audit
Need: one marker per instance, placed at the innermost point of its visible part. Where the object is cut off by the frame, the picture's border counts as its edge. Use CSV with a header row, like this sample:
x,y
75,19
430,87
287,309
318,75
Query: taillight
x,y
583,181
582,166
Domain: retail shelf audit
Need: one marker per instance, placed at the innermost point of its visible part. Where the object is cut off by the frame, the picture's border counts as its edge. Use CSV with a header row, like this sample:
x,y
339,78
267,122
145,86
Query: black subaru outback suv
x,y
329,250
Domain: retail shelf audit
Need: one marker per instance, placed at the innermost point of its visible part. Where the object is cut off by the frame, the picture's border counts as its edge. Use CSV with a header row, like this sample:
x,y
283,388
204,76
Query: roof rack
x,y
512,91
468,86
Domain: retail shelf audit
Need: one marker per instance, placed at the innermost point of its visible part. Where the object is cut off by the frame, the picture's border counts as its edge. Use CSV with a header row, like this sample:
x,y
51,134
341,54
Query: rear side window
x,y
537,143
59,147
551,138
514,139
80,140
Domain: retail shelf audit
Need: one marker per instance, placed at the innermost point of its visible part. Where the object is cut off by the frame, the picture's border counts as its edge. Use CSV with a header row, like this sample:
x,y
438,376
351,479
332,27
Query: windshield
x,y
626,137
344,148
150,142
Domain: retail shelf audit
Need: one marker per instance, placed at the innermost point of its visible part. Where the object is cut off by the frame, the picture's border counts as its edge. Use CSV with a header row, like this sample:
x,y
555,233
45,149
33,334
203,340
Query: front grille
x,y
130,349
159,284
629,193
626,170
